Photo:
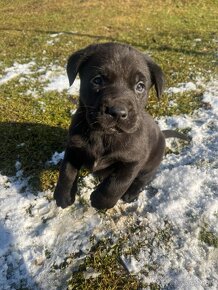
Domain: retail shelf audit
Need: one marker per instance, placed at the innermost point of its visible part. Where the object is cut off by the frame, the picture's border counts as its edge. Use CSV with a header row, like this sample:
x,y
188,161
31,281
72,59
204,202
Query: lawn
x,y
37,38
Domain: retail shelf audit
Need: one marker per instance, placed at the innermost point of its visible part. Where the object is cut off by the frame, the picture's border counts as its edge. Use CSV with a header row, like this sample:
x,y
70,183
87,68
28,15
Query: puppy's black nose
x,y
117,112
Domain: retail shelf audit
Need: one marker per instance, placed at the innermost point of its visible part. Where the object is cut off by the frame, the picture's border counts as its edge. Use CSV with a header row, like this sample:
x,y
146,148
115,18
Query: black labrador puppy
x,y
111,134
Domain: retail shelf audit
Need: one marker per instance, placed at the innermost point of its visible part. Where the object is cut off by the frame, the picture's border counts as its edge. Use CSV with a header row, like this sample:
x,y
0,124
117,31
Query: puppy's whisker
x,y
93,123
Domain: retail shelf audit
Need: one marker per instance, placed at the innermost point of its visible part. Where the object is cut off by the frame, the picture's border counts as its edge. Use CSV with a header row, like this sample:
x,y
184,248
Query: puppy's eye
x,y
140,87
97,80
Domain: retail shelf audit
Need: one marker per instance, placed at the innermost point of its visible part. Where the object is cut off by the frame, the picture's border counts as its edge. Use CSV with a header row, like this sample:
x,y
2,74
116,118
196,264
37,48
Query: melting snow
x,y
58,81
16,70
181,88
56,158
53,77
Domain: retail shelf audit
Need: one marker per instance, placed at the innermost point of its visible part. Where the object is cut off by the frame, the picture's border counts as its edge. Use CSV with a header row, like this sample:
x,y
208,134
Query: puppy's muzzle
x,y
117,112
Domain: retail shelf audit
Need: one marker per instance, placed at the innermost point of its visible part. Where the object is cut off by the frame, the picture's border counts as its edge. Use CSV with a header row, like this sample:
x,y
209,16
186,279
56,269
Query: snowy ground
x,y
36,237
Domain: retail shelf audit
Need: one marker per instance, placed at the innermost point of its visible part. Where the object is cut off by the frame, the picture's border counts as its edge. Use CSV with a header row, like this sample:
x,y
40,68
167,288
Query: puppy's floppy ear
x,y
77,59
73,65
157,76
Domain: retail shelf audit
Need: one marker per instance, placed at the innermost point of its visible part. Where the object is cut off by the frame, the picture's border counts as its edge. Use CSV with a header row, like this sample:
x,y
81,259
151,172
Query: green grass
x,y
102,255
168,30
105,258
208,237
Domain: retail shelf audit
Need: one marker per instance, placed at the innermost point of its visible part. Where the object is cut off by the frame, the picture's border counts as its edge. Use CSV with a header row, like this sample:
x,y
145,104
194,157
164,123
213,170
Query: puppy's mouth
x,y
102,123
112,130
107,130
110,125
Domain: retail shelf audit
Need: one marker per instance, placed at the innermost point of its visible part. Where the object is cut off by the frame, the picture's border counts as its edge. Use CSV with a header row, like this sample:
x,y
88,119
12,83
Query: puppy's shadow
x,y
12,264
27,147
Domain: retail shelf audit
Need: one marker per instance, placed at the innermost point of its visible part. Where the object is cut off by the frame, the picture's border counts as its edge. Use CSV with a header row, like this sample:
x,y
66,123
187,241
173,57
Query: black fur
x,y
111,134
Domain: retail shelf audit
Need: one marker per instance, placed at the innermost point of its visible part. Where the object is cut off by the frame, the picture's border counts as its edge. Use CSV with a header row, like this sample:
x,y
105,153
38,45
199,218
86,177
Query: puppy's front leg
x,y
114,186
66,187
138,185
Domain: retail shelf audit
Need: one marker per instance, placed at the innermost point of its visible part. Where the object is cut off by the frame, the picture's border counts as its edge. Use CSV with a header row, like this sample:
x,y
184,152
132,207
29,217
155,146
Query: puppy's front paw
x,y
99,201
63,199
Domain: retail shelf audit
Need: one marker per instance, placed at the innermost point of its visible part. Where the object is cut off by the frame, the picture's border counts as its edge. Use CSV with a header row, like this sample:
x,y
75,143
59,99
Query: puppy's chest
x,y
100,153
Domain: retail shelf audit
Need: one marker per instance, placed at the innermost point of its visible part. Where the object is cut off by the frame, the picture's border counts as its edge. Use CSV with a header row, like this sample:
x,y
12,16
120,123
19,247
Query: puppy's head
x,y
115,81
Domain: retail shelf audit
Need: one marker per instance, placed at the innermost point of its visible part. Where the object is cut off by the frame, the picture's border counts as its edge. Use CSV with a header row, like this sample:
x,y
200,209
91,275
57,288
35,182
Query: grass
x,y
208,237
102,255
179,35
105,259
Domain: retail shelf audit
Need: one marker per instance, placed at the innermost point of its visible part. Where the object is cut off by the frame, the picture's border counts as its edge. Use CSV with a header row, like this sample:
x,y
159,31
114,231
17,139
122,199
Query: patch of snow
x,y
58,81
4,241
54,39
34,229
197,39
53,77
54,35
16,70
18,165
33,92
56,158
51,42
130,264
182,87
74,89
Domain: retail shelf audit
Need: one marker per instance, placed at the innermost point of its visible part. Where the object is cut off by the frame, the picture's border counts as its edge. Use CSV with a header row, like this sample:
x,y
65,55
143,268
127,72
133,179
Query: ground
x,y
168,238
